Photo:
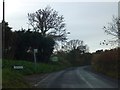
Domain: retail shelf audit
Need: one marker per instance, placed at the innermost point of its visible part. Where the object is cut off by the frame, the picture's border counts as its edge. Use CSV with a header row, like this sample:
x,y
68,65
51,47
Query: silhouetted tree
x,y
48,23
28,40
76,50
9,42
99,51
112,29
76,45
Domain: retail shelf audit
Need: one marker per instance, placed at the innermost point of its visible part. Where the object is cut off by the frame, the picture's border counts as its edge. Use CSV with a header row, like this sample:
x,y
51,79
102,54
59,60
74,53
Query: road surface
x,y
76,77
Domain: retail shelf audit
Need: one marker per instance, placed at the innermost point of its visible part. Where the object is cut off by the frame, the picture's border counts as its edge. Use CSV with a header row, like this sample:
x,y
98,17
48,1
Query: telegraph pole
x,y
3,30
4,10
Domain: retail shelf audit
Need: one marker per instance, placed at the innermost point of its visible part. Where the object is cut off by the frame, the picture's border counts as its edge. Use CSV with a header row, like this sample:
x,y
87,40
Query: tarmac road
x,y
76,77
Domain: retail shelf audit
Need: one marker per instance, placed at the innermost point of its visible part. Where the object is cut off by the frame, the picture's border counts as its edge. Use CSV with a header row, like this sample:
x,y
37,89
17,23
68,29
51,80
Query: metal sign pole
x,y
35,51
35,60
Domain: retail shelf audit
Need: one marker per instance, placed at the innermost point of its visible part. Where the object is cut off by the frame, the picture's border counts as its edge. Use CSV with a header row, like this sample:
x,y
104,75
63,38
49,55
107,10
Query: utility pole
x,y
3,30
3,21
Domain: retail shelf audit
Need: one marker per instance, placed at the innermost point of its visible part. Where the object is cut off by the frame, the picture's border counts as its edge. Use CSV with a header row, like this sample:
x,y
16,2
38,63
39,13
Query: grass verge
x,y
12,78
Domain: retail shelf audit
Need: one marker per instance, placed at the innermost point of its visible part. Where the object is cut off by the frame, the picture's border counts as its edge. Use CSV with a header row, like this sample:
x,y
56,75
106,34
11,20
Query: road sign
x,y
18,67
55,59
35,50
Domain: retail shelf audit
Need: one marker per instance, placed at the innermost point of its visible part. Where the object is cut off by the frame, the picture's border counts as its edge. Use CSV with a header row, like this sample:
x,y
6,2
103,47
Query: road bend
x,y
76,77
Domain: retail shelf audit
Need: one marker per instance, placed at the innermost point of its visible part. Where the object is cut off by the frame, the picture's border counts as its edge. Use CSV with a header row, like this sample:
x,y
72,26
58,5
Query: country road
x,y
76,77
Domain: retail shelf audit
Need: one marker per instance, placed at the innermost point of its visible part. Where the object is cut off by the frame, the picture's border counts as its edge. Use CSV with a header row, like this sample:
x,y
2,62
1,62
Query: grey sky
x,y
84,20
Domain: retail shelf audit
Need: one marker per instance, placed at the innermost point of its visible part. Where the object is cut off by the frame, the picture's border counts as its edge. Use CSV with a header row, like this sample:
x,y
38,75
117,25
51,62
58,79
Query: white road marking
x,y
90,77
44,79
92,80
84,79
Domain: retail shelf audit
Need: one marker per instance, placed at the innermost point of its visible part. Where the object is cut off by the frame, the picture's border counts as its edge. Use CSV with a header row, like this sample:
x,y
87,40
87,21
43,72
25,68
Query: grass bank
x,y
14,78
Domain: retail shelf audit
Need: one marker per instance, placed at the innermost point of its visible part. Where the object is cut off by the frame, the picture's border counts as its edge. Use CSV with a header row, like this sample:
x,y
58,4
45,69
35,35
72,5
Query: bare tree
x,y
76,45
112,29
48,23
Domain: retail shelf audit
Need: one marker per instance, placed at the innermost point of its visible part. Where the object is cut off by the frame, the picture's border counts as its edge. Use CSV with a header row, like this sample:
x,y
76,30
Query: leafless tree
x,y
48,23
112,29
76,45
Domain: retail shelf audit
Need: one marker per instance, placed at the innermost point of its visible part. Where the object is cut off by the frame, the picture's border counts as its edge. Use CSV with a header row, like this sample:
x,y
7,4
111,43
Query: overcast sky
x,y
84,20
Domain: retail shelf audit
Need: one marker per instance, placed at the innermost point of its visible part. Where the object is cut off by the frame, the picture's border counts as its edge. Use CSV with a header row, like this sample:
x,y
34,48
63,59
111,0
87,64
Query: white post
x,y
35,51
35,60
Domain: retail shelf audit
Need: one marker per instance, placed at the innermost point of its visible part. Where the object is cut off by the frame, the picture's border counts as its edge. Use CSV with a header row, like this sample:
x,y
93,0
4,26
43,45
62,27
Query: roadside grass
x,y
0,75
12,78
29,67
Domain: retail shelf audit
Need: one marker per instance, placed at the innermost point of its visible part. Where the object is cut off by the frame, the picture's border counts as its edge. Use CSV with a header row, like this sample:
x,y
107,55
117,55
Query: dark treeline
x,y
74,58
19,45
75,53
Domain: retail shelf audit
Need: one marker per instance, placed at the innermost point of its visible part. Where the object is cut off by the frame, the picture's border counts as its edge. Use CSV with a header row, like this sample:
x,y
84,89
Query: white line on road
x,y
44,79
92,79
84,79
